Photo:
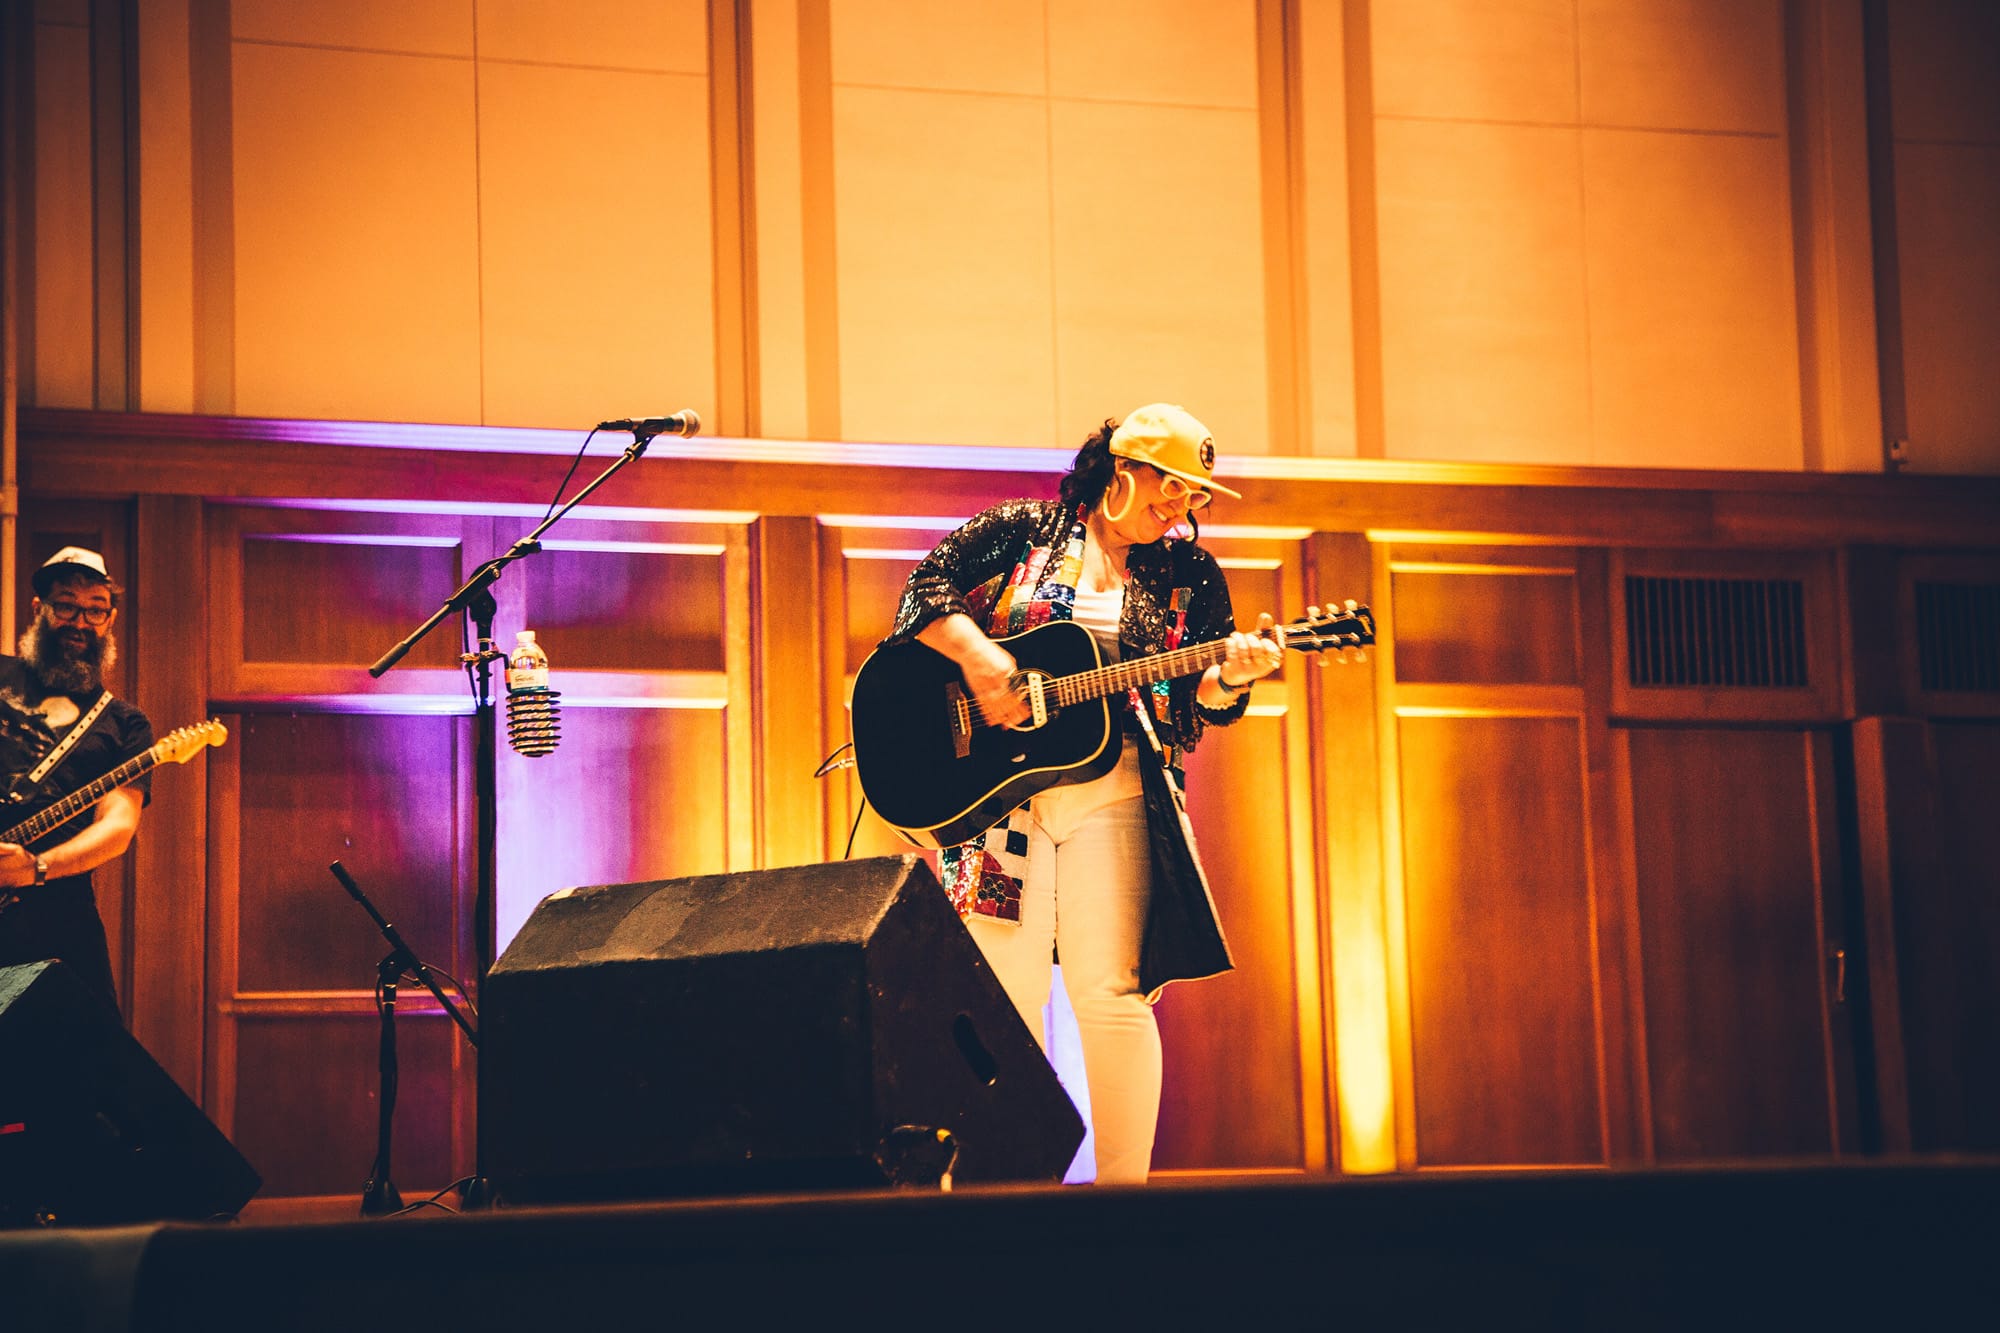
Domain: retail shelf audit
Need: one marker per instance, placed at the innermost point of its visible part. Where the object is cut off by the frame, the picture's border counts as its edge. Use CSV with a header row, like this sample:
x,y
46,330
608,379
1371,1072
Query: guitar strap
x,y
64,746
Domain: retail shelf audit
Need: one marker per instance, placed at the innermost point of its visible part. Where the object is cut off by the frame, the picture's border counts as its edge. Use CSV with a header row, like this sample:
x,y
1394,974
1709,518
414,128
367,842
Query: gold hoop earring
x,y
1105,509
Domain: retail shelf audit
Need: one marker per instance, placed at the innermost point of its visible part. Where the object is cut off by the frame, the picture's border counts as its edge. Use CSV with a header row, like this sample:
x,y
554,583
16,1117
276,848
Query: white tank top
x,y
1099,612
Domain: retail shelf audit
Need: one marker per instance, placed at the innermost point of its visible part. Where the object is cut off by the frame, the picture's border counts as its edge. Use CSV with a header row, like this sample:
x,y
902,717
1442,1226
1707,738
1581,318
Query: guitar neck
x,y
1122,676
51,817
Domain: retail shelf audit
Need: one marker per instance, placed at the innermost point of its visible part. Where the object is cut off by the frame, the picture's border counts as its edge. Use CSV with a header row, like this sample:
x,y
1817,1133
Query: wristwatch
x,y
41,870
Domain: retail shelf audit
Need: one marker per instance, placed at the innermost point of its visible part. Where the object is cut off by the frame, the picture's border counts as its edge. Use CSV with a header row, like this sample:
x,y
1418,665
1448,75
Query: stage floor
x,y
1876,1244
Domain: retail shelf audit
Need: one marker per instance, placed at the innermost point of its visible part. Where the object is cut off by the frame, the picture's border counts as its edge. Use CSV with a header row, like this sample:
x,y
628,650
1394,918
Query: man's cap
x,y
1168,437
68,563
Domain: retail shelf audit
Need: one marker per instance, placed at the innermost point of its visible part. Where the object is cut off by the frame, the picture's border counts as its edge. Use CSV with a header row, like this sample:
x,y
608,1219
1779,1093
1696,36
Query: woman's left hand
x,y
1252,655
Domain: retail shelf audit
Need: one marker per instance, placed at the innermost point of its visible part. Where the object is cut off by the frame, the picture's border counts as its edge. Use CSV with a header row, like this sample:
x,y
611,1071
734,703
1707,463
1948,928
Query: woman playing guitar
x,y
1099,871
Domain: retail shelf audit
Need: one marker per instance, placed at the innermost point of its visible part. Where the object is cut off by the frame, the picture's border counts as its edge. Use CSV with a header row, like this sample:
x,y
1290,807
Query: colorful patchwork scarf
x,y
983,876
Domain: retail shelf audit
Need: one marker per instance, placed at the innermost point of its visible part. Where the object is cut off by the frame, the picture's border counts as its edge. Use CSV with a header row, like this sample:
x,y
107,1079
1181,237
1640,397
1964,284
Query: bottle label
x,y
527,677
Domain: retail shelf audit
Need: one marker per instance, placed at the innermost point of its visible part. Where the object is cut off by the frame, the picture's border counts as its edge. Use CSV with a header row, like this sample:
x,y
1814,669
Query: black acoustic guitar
x,y
938,773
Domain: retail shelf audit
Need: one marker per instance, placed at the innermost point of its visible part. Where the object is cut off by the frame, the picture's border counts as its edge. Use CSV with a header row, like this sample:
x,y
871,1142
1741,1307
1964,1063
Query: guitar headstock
x,y
184,743
1345,631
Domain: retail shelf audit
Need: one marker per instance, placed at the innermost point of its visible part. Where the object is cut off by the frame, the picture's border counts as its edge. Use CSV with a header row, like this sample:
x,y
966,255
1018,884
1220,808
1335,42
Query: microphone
x,y
684,422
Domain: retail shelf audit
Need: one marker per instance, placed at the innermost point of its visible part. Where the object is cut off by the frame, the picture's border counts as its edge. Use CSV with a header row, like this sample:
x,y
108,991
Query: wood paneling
x,y
566,338
1892,618
1733,878
1929,847
1714,65
1484,629
605,609
307,1093
357,235
169,862
1502,984
1168,303
664,35
1476,60
415,27
1482,263
1478,920
1693,319
931,349
1950,935
364,790
631,794
287,616
1231,1044
1825,666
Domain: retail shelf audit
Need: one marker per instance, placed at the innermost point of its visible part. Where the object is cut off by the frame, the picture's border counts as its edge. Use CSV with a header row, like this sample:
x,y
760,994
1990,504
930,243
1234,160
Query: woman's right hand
x,y
987,667
989,673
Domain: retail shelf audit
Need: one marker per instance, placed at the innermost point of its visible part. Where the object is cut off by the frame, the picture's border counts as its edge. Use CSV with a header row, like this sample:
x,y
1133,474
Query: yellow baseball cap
x,y
1166,436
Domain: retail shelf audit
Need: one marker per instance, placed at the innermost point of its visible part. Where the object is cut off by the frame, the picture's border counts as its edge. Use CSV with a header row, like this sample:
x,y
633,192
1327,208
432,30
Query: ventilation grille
x,y
1747,633
1958,636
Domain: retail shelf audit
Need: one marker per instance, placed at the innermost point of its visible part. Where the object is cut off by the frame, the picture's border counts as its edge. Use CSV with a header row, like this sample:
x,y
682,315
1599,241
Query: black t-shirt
x,y
120,732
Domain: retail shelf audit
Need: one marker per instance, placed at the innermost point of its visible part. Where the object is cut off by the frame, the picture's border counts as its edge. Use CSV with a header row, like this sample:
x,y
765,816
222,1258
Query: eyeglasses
x,y
68,613
1173,488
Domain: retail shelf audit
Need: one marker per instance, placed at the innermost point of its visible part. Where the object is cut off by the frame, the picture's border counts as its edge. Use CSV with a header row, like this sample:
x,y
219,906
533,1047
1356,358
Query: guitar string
x,y
1100,681
74,804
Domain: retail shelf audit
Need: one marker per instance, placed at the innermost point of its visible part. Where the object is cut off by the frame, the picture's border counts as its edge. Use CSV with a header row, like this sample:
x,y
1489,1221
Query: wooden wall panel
x,y
1502,985
58,355
1231,1044
1237,1074
563,341
597,607
357,235
341,599
307,1093
1489,628
1821,620
1948,947
631,794
365,790
301,602
1945,119
1731,874
1468,282
1370,825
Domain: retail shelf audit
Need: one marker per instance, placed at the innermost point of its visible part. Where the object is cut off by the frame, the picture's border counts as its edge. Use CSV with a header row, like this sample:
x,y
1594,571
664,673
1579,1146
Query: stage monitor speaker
x,y
811,1027
92,1130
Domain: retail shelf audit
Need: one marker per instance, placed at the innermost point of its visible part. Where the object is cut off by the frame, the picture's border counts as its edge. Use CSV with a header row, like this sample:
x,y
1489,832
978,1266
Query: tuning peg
x,y
1353,605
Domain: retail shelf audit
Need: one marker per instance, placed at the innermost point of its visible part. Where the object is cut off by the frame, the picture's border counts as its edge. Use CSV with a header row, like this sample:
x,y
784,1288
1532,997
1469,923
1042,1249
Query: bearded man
x,y
53,690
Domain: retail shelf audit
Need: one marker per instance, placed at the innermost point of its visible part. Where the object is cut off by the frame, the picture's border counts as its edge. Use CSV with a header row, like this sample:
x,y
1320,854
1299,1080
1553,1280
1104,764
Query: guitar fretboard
x,y
51,817
1122,676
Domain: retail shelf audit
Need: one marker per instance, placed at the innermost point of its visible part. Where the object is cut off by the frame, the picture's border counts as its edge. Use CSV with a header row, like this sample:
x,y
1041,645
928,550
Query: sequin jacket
x,y
1015,566
969,570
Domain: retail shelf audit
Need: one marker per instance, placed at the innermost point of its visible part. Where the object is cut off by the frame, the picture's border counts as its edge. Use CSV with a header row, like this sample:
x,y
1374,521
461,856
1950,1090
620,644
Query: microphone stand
x,y
380,1195
475,599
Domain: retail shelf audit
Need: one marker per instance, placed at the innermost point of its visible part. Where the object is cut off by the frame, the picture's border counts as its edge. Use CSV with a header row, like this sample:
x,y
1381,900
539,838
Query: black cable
x,y
581,449
856,829
436,1200
459,987
827,764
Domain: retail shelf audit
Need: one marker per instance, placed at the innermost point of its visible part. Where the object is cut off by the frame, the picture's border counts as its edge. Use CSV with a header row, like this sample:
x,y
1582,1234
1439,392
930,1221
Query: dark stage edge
x,y
1877,1244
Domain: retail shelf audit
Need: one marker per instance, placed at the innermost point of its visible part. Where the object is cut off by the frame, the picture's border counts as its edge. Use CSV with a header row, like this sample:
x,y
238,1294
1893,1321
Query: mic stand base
x,y
379,1197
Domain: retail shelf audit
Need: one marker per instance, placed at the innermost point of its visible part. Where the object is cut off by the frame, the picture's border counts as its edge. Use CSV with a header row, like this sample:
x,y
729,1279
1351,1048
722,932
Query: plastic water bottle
x,y
533,718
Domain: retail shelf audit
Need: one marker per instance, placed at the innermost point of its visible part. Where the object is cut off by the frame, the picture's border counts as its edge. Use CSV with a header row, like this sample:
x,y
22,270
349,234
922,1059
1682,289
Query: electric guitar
x,y
175,747
938,773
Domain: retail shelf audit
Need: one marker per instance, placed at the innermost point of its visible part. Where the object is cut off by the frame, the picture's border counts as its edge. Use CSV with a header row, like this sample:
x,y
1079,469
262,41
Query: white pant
x,y
1085,897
